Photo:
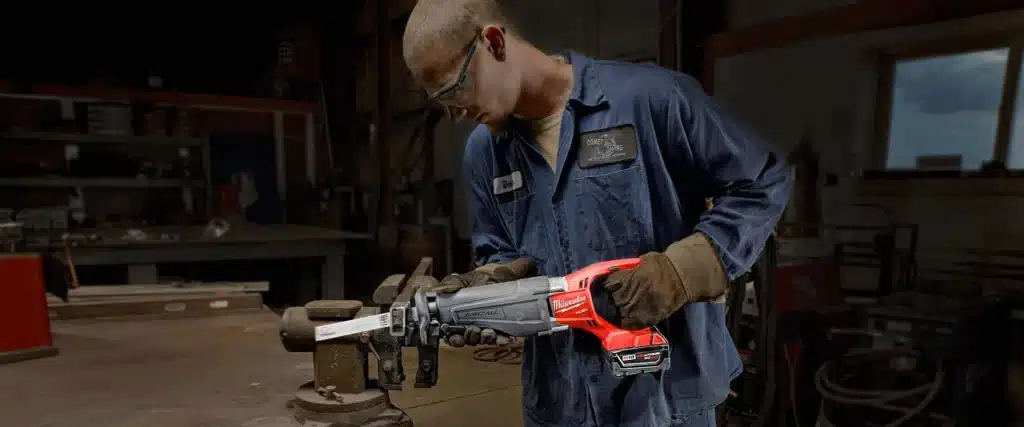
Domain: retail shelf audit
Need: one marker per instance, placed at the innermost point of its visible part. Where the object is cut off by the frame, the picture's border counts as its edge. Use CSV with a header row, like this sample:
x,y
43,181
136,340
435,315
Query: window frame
x,y
886,60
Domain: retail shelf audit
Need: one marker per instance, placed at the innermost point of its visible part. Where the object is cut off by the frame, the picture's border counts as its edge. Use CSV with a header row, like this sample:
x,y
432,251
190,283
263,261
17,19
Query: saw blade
x,y
351,327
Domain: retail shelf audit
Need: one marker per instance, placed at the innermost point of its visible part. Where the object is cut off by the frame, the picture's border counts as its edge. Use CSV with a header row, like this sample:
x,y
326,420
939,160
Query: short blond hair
x,y
438,27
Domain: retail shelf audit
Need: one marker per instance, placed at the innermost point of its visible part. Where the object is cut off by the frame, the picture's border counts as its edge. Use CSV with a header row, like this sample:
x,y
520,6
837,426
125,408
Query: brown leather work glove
x,y
688,271
490,273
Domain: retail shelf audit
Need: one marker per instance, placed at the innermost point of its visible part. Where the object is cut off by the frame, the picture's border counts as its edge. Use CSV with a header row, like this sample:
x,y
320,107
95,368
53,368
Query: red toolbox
x,y
24,317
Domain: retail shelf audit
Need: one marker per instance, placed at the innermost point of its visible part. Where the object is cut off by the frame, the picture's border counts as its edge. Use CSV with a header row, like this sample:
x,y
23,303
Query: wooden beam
x,y
668,37
708,80
696,20
338,48
864,15
882,121
367,21
1008,106
382,113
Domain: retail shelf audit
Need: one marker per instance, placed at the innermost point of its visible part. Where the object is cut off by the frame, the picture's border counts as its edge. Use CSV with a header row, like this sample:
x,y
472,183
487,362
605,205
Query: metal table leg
x,y
332,277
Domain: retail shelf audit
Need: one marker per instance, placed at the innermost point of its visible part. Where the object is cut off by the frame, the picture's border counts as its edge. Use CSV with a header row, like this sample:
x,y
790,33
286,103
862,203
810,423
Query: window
x,y
955,112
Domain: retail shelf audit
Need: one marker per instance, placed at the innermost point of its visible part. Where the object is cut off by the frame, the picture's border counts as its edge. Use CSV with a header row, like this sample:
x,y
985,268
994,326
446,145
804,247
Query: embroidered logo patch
x,y
607,146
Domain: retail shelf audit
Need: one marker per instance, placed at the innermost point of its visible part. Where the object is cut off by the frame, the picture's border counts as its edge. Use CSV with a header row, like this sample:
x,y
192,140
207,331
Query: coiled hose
x,y
510,354
832,389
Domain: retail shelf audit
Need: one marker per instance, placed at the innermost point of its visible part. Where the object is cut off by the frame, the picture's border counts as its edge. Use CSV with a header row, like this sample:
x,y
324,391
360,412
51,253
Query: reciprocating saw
x,y
534,306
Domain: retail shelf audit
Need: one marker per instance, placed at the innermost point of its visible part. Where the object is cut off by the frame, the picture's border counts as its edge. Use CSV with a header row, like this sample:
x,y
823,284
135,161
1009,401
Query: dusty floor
x,y
228,371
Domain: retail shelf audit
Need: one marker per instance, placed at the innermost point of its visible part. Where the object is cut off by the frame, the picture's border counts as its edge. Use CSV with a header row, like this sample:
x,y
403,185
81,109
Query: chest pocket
x,y
613,207
524,221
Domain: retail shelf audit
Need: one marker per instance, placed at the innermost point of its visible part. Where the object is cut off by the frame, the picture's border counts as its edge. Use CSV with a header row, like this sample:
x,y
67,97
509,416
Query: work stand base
x,y
370,408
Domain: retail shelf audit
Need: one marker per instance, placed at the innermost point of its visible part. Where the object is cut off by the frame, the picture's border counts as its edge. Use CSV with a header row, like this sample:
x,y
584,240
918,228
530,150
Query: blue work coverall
x,y
641,148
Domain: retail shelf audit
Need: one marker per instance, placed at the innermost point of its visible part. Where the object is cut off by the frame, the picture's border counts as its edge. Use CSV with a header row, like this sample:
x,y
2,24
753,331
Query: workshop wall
x,y
825,89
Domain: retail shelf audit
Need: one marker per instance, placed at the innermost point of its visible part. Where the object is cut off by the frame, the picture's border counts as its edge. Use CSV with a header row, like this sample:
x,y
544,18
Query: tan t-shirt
x,y
547,131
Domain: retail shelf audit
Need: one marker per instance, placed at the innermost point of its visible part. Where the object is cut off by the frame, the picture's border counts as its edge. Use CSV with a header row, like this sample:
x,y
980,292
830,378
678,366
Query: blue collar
x,y
586,90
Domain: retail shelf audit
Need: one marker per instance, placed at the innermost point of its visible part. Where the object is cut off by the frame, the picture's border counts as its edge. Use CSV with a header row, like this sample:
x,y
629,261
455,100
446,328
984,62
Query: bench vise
x,y
342,392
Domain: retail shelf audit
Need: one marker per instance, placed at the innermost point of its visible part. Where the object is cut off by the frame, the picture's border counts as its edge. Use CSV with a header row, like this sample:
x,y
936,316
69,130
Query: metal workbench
x,y
251,242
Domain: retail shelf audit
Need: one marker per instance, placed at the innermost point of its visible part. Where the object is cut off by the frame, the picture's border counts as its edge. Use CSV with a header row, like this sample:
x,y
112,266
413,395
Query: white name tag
x,y
507,183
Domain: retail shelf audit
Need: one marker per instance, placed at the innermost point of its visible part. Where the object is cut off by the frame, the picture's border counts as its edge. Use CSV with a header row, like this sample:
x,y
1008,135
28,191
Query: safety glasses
x,y
450,95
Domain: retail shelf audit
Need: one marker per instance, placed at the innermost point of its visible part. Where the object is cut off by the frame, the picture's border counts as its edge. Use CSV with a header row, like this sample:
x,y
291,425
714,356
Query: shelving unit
x,y
301,139
87,184
57,182
278,110
293,126
80,138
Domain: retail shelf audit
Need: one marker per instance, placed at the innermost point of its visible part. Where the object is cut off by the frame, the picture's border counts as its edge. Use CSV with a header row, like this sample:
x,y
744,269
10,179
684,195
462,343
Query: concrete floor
x,y
226,371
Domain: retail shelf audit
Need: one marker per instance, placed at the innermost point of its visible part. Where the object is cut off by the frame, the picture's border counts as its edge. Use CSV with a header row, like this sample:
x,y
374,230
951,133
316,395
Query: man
x,y
579,161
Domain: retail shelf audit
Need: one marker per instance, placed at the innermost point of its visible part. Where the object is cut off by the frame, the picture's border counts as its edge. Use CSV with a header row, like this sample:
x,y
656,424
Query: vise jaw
x,y
297,335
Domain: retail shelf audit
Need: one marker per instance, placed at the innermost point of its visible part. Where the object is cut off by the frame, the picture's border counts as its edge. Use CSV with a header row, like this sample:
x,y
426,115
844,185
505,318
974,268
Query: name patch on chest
x,y
508,183
607,146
